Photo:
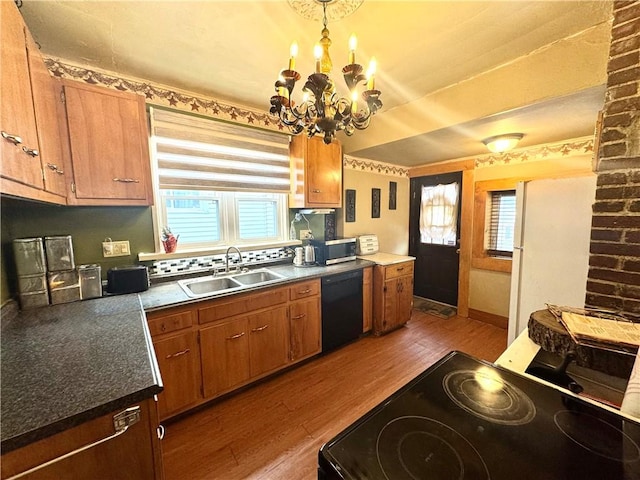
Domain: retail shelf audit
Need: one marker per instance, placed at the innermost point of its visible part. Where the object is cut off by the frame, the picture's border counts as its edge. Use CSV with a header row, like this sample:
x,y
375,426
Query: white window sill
x,y
198,252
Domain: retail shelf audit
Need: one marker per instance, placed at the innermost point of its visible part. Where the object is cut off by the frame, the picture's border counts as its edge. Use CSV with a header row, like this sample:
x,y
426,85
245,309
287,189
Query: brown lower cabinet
x,y
392,296
133,455
213,347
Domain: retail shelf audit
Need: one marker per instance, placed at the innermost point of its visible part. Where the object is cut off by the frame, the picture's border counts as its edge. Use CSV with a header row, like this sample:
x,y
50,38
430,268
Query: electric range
x,y
464,418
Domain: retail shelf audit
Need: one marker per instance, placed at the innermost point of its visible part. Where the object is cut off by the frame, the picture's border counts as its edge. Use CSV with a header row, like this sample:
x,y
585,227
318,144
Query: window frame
x,y
480,258
228,217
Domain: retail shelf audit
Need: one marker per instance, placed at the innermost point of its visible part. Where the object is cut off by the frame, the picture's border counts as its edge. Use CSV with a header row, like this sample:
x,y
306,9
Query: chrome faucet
x,y
226,270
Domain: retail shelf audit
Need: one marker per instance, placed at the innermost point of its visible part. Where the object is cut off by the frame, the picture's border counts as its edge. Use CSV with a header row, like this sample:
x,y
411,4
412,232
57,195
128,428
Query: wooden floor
x,y
275,429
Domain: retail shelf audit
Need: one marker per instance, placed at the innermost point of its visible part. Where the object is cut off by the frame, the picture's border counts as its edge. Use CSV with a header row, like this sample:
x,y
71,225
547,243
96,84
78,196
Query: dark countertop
x,y
66,364
170,294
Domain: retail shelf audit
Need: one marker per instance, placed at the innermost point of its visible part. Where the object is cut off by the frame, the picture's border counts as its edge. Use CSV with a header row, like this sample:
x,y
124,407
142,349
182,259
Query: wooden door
x,y
305,328
47,102
109,143
437,259
224,351
367,298
268,340
405,299
324,173
134,455
179,362
16,110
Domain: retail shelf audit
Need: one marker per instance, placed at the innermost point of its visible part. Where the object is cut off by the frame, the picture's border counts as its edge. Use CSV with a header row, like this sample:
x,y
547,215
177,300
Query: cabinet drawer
x,y
398,270
242,304
304,289
170,323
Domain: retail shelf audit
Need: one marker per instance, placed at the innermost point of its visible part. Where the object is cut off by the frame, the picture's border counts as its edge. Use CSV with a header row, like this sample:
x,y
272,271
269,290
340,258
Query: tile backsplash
x,y
205,263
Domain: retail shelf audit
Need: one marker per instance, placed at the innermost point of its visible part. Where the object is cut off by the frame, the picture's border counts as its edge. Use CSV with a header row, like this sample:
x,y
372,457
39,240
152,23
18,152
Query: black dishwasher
x,y
341,309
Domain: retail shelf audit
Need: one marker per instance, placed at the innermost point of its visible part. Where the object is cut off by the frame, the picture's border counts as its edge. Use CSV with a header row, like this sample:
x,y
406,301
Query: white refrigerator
x,y
551,246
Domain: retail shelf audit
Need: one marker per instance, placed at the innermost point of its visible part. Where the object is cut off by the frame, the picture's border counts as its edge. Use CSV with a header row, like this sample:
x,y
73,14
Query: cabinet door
x,y
367,299
324,173
179,362
109,146
17,114
405,299
134,455
224,350
47,102
268,340
305,328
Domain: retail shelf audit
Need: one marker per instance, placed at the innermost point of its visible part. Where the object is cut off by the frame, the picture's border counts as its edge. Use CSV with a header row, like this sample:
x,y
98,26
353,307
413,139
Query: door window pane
x,y
439,214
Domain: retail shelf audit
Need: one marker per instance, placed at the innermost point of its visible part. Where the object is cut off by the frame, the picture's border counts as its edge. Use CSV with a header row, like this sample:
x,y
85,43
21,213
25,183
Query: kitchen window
x,y
493,224
502,219
219,184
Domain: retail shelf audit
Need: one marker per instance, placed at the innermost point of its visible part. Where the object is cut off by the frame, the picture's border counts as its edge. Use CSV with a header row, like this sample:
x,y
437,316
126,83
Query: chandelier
x,y
322,110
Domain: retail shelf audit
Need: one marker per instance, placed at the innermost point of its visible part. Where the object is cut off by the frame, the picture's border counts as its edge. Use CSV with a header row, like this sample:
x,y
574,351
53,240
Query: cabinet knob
x,y
31,151
15,139
54,168
126,180
302,315
259,329
315,190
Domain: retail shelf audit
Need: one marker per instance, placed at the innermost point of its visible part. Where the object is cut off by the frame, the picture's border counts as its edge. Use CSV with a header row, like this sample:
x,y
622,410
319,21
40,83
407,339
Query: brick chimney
x,y
614,265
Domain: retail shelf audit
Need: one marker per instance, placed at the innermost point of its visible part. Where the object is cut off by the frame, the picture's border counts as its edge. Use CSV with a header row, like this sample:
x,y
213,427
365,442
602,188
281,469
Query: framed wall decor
x,y
375,203
350,206
393,188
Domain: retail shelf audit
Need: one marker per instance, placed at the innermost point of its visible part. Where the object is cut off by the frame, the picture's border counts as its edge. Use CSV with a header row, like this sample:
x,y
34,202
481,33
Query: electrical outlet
x,y
116,249
305,234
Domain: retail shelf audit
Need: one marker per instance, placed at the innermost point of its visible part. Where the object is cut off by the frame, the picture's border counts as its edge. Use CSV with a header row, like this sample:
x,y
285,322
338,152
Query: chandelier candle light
x,y
322,110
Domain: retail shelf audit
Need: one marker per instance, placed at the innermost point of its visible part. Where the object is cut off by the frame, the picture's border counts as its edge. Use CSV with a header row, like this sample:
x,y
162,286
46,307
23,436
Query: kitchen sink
x,y
200,287
205,286
257,276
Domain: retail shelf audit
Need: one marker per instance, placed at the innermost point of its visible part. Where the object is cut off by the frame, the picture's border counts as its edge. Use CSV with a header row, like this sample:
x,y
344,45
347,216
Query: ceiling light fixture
x,y
503,143
322,110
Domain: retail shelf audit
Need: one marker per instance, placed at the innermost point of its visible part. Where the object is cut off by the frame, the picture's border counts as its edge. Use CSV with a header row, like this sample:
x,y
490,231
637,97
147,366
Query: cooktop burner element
x,y
484,393
597,436
463,418
420,444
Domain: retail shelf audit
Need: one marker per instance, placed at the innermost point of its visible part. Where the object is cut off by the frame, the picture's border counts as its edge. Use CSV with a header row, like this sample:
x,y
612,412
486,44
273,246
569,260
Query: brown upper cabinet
x,y
31,144
316,173
109,146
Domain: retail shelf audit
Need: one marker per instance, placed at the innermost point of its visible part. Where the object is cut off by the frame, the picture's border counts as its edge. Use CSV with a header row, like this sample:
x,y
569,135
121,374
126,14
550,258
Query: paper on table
x,y
607,333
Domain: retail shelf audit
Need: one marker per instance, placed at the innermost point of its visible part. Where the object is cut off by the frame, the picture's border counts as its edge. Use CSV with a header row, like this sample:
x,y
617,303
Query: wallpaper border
x,y
365,165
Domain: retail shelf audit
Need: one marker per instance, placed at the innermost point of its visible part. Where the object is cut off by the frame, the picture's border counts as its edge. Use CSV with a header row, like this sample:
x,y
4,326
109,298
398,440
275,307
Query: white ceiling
x,y
233,51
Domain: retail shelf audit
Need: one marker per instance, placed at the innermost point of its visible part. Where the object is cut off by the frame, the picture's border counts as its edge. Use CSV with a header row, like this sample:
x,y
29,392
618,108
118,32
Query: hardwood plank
x,y
275,429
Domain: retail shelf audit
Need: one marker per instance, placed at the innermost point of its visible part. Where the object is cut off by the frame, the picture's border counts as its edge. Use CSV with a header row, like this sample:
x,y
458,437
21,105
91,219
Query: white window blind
x,y
501,223
195,153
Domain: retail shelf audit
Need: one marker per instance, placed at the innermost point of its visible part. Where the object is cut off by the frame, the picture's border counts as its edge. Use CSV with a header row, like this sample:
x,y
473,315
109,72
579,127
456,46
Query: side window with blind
x,y
501,223
219,184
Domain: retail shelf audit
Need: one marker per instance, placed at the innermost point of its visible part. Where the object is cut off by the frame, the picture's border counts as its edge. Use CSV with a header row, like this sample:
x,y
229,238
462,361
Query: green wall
x,y
88,226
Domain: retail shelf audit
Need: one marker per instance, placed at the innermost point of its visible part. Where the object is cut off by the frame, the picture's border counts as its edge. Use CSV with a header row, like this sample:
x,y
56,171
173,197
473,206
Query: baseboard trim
x,y
492,318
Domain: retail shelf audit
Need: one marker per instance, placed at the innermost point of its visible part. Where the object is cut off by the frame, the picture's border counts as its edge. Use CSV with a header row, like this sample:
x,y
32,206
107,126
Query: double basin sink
x,y
211,285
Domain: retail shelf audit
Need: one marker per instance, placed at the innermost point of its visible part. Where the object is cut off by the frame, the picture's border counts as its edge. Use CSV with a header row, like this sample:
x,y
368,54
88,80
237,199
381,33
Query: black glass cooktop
x,y
467,419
